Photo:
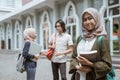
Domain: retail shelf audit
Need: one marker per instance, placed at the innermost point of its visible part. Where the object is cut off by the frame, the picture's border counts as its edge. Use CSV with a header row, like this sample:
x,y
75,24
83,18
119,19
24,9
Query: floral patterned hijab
x,y
29,34
99,28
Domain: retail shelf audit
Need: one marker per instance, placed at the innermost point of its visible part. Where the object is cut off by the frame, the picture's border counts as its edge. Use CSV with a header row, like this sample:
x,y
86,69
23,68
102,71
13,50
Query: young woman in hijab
x,y
30,66
99,65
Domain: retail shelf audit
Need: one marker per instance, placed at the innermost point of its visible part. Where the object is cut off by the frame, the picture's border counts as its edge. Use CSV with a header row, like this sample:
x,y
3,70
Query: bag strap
x,y
79,39
99,41
55,38
19,56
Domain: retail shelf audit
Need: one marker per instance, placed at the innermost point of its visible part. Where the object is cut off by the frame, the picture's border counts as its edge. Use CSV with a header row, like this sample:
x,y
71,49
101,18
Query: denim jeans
x,y
31,73
55,70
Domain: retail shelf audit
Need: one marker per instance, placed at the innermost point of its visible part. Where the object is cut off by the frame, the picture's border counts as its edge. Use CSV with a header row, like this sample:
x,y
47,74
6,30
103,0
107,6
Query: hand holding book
x,y
84,61
37,56
87,58
90,55
83,68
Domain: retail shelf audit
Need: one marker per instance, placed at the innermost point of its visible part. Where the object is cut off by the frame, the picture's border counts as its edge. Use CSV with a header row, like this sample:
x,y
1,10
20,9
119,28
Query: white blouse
x,y
84,46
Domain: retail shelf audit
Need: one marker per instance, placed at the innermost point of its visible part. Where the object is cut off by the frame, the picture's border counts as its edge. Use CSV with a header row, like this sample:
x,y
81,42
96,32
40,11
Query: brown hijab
x,y
99,28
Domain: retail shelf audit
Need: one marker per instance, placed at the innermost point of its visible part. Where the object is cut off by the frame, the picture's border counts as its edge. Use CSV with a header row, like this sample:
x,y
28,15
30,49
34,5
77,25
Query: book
x,y
90,55
34,49
88,52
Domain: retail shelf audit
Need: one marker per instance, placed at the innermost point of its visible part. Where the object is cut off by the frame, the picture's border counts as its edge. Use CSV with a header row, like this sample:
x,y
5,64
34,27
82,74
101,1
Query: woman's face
x,y
59,28
89,22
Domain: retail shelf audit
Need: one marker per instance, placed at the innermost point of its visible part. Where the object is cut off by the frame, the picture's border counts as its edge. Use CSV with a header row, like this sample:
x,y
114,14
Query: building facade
x,y
24,2
42,15
7,6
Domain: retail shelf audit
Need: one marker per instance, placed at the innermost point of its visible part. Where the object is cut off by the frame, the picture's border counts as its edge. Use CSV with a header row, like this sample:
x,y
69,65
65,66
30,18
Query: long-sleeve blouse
x,y
101,67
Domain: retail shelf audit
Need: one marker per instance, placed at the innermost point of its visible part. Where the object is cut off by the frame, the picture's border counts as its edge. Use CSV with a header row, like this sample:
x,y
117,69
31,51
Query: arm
x,y
73,61
50,45
105,64
70,48
26,50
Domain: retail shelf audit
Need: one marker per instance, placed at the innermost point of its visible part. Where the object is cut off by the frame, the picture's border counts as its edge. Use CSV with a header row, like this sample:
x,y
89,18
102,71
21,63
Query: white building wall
x,y
7,6
10,3
55,9
3,13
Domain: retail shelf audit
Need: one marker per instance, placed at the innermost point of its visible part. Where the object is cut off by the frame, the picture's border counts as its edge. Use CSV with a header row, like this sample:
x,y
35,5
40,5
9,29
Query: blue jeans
x,y
30,68
31,73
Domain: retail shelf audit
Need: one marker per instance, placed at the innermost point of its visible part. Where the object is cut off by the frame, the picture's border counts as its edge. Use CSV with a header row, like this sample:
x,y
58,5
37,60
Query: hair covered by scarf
x,y
29,34
99,28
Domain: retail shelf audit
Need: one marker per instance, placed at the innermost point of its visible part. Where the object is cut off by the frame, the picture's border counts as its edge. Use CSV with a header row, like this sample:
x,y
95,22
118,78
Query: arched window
x,y
2,30
45,30
18,35
70,11
2,33
0,36
8,36
28,22
71,20
112,21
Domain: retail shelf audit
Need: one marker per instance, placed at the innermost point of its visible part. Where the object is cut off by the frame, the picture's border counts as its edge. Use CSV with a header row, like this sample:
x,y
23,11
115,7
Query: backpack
x,y
20,63
111,74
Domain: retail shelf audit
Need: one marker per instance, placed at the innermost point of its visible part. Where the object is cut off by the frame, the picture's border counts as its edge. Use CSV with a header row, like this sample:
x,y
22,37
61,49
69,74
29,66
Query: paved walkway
x,y
8,70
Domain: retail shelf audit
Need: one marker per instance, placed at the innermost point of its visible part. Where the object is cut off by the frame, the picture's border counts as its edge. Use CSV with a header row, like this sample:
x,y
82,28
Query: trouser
x,y
55,70
31,73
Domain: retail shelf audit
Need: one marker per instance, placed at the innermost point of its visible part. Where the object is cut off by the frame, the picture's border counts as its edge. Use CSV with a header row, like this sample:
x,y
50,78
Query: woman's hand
x,y
37,56
41,53
84,61
83,68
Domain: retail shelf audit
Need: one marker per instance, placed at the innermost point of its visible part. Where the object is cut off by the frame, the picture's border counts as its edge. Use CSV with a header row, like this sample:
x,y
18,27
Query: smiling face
x,y
89,22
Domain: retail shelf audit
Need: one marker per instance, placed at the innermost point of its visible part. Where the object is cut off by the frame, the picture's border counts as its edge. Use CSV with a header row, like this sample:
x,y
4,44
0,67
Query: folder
x,y
34,49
